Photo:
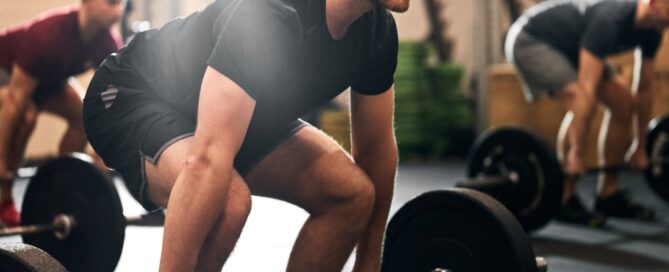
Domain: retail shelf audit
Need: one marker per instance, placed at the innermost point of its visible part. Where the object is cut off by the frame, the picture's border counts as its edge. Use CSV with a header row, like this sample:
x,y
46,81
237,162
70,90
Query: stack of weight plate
x,y
449,111
335,122
412,90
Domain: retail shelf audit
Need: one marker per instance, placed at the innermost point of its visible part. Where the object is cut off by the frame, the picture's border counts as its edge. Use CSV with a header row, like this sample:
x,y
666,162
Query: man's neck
x,y
641,18
340,14
87,27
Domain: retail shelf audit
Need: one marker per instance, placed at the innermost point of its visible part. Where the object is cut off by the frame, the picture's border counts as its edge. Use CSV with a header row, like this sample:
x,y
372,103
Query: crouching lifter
x,y
560,47
202,113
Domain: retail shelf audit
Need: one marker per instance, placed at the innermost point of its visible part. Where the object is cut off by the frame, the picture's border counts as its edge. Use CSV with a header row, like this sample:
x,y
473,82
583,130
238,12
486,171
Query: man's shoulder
x,y
55,16
54,24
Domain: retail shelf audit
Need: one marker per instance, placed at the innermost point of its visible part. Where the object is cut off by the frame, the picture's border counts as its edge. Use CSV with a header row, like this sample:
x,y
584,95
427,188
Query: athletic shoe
x,y
621,205
574,212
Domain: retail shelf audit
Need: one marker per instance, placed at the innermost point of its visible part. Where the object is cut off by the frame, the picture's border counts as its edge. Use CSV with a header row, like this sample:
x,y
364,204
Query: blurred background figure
x,y
37,60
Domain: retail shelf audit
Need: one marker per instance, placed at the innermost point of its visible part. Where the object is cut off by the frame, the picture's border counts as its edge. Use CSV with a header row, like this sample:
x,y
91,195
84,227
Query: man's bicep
x,y
590,68
224,114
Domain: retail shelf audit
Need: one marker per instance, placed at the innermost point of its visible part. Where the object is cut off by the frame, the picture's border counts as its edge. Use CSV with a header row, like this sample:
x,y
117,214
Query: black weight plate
x,y
657,148
18,257
70,185
457,230
535,198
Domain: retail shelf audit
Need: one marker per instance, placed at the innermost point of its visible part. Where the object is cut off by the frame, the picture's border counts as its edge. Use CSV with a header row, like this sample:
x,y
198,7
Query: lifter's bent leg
x,y
222,238
8,212
614,135
312,171
16,151
638,158
68,105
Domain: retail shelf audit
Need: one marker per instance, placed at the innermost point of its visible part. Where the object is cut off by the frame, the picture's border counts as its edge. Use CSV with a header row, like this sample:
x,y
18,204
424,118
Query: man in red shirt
x,y
37,60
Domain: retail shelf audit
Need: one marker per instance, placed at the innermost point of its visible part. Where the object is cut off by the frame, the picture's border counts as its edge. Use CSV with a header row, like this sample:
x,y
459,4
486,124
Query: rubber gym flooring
x,y
272,226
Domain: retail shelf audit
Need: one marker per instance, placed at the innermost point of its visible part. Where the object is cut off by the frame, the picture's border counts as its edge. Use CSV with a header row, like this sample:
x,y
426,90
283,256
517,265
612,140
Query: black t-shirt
x,y
603,27
279,51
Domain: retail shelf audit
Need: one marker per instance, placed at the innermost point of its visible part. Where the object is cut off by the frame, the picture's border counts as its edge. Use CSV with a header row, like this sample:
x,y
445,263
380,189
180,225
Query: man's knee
x,y
618,99
237,209
29,119
575,92
239,206
354,190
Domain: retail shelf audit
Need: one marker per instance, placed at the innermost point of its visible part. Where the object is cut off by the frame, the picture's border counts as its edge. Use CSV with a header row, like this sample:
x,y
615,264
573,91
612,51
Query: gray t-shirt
x,y
603,27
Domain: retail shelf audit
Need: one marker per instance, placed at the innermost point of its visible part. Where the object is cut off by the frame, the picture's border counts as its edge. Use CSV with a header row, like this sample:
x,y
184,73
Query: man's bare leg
x,y
16,151
68,105
222,238
312,171
638,158
614,134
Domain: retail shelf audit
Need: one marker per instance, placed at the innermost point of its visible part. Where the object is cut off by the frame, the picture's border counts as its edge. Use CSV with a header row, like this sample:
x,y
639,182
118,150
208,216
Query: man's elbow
x,y
201,164
385,150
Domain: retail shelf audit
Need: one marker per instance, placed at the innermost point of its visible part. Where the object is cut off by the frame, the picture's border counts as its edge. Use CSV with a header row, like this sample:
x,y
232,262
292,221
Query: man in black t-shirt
x,y
203,112
560,47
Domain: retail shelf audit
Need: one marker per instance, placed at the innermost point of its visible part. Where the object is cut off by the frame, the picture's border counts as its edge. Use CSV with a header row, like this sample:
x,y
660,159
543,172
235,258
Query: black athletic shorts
x,y
126,126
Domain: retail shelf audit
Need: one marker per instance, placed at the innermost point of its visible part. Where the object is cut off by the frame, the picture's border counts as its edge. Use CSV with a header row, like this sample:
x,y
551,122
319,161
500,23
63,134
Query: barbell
x,y
518,169
457,230
72,211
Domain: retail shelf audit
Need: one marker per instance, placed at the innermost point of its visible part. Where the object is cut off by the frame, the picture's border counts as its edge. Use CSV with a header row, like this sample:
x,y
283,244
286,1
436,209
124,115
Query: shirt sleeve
x,y
650,44
379,67
36,54
255,40
599,36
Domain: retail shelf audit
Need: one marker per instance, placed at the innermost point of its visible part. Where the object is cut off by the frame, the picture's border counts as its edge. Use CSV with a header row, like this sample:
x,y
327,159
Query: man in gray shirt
x,y
559,47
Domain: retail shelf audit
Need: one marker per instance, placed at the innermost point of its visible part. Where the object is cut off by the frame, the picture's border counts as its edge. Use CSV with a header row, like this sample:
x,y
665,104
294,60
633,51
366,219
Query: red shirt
x,y
50,48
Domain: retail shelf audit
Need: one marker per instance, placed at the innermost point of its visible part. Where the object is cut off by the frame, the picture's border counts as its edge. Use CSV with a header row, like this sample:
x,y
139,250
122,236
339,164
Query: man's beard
x,y
394,5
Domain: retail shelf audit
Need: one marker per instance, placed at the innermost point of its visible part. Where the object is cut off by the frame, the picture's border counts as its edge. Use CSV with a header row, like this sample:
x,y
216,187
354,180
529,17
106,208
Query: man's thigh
x,y
309,169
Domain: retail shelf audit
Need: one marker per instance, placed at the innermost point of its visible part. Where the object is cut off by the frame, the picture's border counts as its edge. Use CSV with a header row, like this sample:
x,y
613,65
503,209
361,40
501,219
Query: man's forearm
x,y
198,198
381,169
10,110
583,108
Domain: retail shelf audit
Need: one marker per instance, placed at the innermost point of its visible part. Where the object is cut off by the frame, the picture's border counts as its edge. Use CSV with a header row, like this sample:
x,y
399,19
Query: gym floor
x,y
266,241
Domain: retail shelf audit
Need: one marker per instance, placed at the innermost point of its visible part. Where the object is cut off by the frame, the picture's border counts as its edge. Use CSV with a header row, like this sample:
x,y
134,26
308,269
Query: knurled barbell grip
x,y
61,227
487,182
9,231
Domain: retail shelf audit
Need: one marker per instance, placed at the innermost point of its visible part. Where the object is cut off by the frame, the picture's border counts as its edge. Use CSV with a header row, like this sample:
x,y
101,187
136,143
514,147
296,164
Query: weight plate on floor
x,y
535,192
456,230
72,186
19,257
657,148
